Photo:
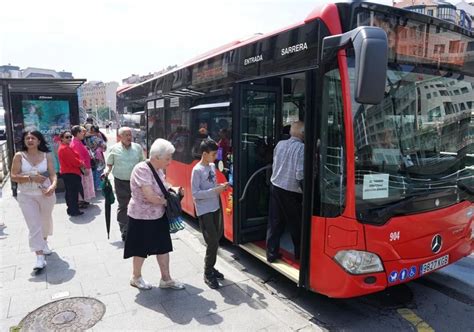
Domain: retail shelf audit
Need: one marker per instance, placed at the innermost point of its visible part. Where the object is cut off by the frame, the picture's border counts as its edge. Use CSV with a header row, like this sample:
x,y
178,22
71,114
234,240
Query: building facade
x,y
440,9
9,71
97,95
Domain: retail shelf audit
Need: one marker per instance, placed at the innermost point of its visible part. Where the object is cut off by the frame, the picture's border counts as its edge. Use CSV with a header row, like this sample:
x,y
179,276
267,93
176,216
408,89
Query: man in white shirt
x,y
286,195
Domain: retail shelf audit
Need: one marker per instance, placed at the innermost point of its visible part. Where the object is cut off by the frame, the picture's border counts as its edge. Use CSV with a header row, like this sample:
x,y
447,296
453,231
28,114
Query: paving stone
x,y
184,310
4,306
96,272
21,304
279,309
7,273
113,304
104,286
244,318
6,324
138,319
21,286
205,323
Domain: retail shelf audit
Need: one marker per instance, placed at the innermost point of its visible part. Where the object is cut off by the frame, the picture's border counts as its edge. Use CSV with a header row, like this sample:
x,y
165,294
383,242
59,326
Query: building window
x,y
454,46
439,49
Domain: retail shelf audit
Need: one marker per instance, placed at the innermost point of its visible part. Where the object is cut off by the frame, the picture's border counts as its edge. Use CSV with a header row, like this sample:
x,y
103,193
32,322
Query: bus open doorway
x,y
265,110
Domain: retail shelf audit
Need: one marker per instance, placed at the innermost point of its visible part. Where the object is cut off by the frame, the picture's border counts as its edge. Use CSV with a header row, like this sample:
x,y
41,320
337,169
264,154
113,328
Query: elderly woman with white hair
x,y
148,228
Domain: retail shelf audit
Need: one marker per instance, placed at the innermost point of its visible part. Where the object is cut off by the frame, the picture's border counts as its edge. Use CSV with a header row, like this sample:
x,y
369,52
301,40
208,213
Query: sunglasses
x,y
68,136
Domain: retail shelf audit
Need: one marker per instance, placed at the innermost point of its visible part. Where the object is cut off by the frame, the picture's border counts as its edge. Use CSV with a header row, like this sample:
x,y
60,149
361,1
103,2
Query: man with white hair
x,y
122,157
286,194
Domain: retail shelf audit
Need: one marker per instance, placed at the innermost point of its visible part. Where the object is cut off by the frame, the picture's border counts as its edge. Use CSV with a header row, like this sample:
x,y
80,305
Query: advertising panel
x,y
47,113
49,117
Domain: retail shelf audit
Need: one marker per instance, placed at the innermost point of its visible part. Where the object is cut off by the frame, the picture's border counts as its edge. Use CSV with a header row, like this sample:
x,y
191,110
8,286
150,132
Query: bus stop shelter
x,y
45,104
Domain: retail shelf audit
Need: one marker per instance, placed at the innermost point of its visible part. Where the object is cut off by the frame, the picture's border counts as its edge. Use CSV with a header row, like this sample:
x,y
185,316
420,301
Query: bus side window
x,y
213,124
202,134
180,140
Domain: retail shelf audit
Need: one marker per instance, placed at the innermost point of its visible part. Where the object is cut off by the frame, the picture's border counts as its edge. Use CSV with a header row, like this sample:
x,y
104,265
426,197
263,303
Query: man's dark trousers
x,y
212,230
123,193
285,209
73,186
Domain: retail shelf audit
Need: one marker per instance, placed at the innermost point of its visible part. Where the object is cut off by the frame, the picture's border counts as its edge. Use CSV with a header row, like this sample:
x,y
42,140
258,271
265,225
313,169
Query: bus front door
x,y
256,113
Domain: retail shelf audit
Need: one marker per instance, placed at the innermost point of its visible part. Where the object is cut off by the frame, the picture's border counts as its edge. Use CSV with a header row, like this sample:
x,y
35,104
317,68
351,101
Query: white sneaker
x,y
140,283
40,263
46,250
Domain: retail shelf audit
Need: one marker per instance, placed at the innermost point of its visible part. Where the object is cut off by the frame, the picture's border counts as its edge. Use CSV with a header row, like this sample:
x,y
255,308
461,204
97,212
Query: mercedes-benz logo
x,y
436,243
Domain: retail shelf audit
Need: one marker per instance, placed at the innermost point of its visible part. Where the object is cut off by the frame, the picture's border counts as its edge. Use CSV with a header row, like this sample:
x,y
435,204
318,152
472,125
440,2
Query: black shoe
x,y
80,213
211,281
83,205
217,274
272,258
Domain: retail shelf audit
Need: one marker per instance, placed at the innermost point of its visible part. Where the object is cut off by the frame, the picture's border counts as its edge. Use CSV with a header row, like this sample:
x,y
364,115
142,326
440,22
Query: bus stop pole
x,y
9,129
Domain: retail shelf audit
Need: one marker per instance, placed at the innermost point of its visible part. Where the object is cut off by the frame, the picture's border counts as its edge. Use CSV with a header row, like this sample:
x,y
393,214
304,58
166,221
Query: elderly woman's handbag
x,y
173,205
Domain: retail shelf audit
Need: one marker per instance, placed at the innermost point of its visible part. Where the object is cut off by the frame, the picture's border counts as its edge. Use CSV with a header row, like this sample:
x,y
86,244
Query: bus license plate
x,y
434,264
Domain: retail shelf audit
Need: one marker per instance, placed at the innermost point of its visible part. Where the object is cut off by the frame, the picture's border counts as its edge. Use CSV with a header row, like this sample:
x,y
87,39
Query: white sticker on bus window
x,y
375,186
150,105
160,103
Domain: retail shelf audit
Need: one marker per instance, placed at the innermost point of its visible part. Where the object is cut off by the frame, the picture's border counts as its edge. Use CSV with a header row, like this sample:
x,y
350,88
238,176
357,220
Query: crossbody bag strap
x,y
158,180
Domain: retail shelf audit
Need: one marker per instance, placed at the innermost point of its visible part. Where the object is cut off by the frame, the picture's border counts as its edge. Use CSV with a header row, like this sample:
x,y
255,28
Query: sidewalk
x,y
85,263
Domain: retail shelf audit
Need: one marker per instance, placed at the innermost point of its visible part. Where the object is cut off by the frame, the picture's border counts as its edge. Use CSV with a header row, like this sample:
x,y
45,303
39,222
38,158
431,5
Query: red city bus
x,y
388,186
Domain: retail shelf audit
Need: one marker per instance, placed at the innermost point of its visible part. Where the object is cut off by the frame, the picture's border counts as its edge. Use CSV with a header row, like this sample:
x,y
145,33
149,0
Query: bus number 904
x,y
394,236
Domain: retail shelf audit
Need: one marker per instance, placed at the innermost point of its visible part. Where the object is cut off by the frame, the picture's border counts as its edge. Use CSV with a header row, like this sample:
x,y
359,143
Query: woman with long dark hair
x,y
33,170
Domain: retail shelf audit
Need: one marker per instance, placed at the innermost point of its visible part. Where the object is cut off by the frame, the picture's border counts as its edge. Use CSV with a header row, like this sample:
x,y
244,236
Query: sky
x,y
108,40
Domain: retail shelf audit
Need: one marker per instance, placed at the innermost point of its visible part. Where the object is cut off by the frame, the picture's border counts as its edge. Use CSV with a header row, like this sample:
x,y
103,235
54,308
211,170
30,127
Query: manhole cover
x,y
71,314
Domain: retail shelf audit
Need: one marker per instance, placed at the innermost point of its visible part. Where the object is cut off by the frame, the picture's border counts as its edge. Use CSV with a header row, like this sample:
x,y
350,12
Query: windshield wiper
x,y
382,214
468,190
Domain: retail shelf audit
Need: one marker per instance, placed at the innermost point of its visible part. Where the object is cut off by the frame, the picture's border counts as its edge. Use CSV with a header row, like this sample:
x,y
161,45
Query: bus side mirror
x,y
371,51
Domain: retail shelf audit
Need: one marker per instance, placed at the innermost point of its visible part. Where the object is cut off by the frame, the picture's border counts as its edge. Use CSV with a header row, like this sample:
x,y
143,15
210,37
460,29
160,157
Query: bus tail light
x,y
359,262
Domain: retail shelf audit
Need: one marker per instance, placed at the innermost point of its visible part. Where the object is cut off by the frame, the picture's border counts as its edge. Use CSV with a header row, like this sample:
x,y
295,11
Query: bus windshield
x,y
414,151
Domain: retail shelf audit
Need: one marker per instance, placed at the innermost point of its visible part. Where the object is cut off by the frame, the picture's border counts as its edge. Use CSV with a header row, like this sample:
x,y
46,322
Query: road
x,y
441,301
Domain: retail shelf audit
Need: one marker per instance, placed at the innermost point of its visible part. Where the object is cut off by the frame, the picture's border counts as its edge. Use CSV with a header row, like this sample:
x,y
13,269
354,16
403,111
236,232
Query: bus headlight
x,y
359,262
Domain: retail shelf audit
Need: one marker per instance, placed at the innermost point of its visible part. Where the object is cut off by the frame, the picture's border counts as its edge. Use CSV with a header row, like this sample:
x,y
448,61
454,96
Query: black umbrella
x,y
108,193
